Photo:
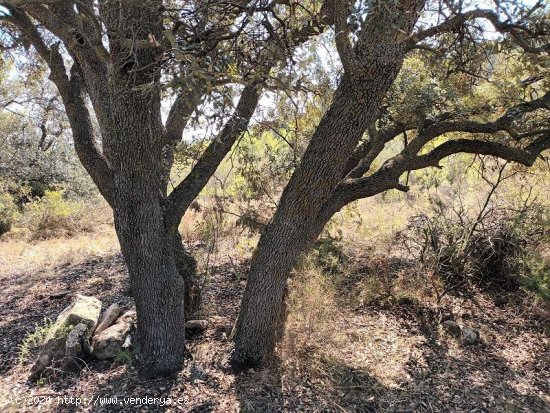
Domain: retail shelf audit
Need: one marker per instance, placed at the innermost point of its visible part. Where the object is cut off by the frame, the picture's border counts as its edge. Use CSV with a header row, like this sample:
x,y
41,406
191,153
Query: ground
x,y
386,355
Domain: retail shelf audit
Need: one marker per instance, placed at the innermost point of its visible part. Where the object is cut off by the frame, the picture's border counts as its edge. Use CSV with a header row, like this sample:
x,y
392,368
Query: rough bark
x,y
286,238
370,69
187,268
134,148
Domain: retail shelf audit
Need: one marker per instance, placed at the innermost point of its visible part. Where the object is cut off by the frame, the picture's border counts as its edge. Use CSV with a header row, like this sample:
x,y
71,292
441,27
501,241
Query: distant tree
x,y
372,107
113,62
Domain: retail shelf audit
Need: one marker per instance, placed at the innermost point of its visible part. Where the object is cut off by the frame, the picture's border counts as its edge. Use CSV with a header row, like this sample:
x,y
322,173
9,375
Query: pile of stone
x,y
81,332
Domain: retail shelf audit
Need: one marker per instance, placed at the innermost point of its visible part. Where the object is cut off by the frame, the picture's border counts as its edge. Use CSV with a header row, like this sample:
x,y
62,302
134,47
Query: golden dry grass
x,y
28,257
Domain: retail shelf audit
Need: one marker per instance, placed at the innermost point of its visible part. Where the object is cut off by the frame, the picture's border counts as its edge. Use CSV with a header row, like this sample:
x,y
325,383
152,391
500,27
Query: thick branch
x,y
182,196
427,133
90,55
526,156
365,154
180,113
516,31
70,90
342,35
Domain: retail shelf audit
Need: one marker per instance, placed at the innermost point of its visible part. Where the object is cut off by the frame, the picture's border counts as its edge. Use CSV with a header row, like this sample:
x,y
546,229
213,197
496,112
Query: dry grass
x,y
27,257
324,332
364,338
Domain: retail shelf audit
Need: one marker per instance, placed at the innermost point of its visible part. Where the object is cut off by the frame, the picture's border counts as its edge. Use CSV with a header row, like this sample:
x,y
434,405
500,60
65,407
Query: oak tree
x,y
338,167
114,63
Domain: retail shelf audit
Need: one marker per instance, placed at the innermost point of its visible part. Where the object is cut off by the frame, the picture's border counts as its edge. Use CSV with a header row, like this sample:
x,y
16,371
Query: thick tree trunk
x,y
157,286
301,214
261,320
286,238
134,144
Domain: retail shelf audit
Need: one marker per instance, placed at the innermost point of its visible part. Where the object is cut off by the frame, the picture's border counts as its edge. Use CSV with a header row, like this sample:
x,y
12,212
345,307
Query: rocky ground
x,y
388,357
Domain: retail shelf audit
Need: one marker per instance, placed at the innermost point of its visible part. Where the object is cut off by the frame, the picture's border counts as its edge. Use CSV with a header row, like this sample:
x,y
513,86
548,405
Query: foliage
x,y
33,340
497,247
328,254
8,210
35,138
55,215
536,270
125,357
311,308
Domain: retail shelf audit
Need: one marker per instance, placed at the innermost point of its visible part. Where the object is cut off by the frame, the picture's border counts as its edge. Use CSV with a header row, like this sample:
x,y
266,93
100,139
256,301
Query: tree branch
x,y
184,194
526,156
515,30
180,113
70,90
91,62
427,133
342,35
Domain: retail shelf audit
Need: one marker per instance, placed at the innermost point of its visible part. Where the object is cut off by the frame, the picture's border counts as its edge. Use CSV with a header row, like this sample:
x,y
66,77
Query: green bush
x,y
33,340
536,272
328,254
502,253
53,215
8,212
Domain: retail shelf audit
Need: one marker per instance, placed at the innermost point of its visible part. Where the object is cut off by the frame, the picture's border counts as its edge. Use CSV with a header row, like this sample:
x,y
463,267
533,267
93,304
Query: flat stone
x,y
108,317
452,328
196,325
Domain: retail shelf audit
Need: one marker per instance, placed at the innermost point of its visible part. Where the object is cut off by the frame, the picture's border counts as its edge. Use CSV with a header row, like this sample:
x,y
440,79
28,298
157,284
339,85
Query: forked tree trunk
x,y
157,286
133,145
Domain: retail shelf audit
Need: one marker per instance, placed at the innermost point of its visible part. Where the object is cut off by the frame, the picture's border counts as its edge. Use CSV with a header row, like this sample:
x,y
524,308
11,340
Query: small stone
x,y
452,328
470,336
77,347
197,325
108,318
127,341
59,294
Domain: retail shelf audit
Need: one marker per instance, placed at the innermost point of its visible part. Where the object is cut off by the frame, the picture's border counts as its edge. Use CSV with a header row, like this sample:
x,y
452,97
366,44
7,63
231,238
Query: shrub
x,y
33,340
500,254
8,212
536,270
328,254
53,215
311,308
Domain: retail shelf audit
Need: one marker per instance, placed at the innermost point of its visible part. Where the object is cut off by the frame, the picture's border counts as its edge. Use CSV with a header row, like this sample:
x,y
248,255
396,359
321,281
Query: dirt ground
x,y
390,358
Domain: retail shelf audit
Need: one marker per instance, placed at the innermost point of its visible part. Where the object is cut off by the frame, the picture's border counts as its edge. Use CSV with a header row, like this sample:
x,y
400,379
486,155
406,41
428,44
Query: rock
x,y
107,344
128,317
84,310
108,317
77,347
197,325
452,327
127,341
470,336
59,294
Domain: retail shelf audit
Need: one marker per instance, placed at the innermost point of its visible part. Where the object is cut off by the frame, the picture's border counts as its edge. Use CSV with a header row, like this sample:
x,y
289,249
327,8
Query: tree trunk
x,y
187,267
300,216
286,238
261,319
158,288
